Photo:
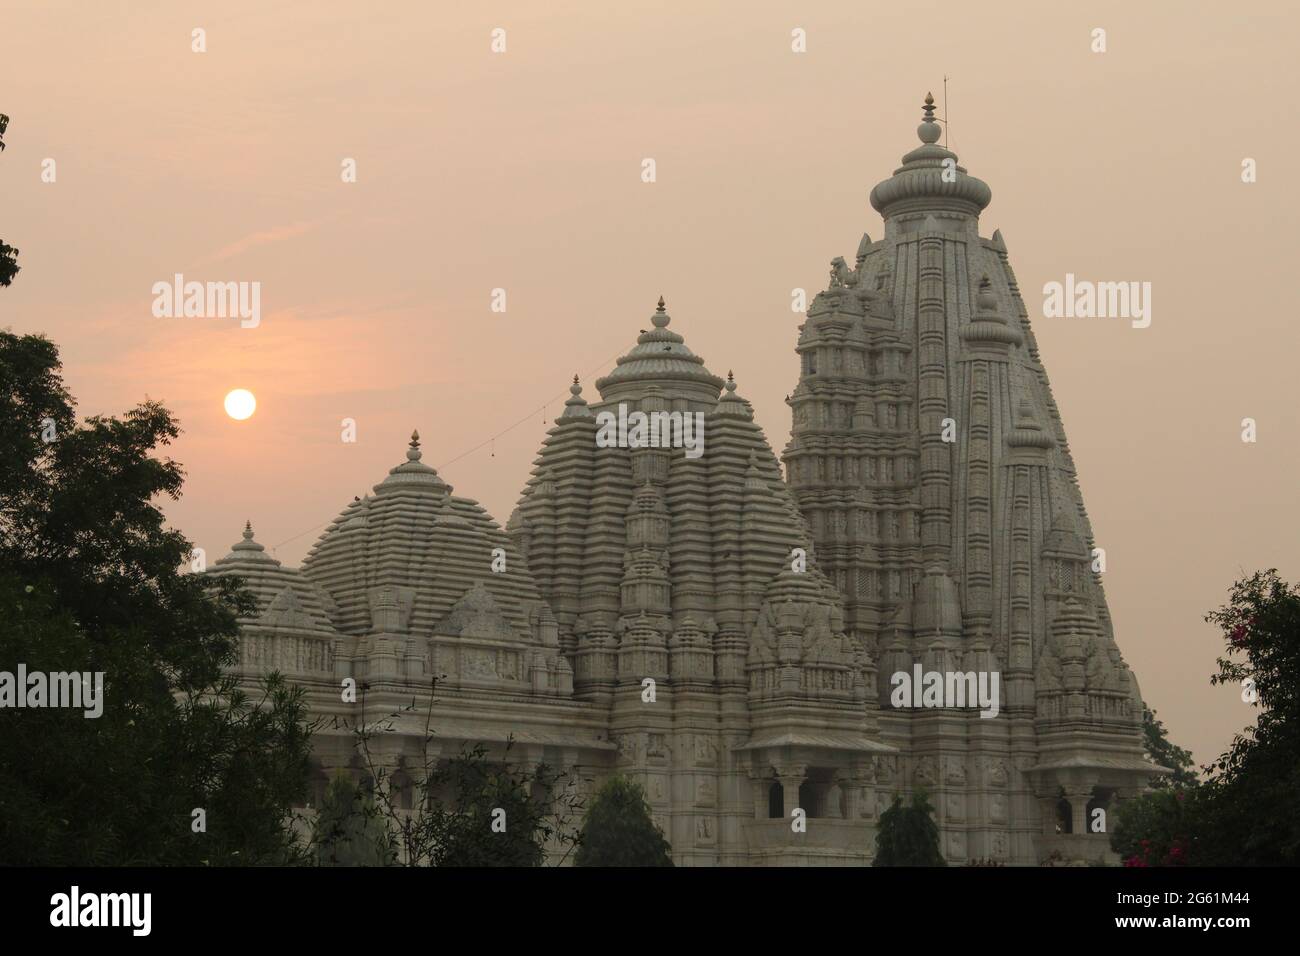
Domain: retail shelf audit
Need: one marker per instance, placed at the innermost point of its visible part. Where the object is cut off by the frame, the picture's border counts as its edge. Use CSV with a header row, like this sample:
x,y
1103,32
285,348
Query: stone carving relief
x,y
886,769
997,773
657,747
999,846
478,663
998,808
956,807
706,752
956,774
926,772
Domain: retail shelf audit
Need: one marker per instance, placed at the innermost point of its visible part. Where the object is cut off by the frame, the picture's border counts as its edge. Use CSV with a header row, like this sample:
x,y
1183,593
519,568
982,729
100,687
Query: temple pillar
x,y
792,777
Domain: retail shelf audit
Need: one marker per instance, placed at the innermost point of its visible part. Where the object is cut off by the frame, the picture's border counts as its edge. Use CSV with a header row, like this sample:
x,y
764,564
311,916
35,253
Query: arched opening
x,y
1064,816
776,800
810,798
1094,821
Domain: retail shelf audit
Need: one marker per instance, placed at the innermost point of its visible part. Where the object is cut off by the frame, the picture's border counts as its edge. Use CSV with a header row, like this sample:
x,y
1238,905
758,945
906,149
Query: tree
x,y
181,766
1163,752
908,835
1250,800
1155,829
8,254
349,829
618,830
469,810
1243,814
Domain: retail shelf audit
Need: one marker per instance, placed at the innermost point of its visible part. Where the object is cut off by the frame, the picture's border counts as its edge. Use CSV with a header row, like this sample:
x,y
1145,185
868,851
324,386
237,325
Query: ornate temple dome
x,y
920,185
647,548
661,358
423,544
285,598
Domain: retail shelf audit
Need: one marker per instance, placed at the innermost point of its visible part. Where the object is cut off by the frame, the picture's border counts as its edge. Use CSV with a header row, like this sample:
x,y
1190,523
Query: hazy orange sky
x,y
522,170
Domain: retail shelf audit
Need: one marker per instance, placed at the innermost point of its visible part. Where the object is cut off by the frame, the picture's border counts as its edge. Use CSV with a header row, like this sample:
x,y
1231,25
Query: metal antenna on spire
x,y
945,111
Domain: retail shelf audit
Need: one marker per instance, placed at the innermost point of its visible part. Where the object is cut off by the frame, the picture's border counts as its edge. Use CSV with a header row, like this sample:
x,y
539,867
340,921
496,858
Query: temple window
x,y
1064,816
810,799
1101,800
775,801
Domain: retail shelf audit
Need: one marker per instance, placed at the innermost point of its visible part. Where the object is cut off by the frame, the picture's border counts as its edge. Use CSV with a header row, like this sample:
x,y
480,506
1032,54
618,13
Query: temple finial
x,y
660,318
248,531
929,131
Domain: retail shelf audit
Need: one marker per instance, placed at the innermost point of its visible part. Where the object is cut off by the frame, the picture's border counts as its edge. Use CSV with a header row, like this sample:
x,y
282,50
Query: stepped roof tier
x,y
286,600
624,537
414,536
415,595
694,572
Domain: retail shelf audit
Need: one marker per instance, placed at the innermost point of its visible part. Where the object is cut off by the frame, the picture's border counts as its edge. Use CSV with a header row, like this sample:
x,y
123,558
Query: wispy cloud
x,y
263,238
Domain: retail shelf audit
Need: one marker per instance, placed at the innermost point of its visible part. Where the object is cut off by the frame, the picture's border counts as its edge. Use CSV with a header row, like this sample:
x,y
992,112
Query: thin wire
x,y
488,441
948,143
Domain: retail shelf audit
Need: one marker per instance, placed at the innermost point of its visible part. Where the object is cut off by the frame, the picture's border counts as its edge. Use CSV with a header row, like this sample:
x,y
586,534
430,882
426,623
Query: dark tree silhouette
x,y
908,835
619,830
1163,752
1243,814
8,254
90,583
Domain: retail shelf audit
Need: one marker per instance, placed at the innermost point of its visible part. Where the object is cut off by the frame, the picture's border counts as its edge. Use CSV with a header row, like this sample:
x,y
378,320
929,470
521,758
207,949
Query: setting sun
x,y
240,404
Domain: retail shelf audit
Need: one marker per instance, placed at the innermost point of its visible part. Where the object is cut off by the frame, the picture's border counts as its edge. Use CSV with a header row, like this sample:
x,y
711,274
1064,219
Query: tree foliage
x,y
468,810
1165,753
619,831
350,829
90,582
1244,812
1155,829
8,254
908,835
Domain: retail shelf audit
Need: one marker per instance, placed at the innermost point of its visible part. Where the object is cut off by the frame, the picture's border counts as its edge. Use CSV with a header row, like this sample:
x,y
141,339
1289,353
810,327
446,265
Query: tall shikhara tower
x,y
929,459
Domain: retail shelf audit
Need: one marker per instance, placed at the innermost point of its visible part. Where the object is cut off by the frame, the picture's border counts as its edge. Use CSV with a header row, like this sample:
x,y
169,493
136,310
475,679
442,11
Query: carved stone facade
x,y
726,635
929,458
